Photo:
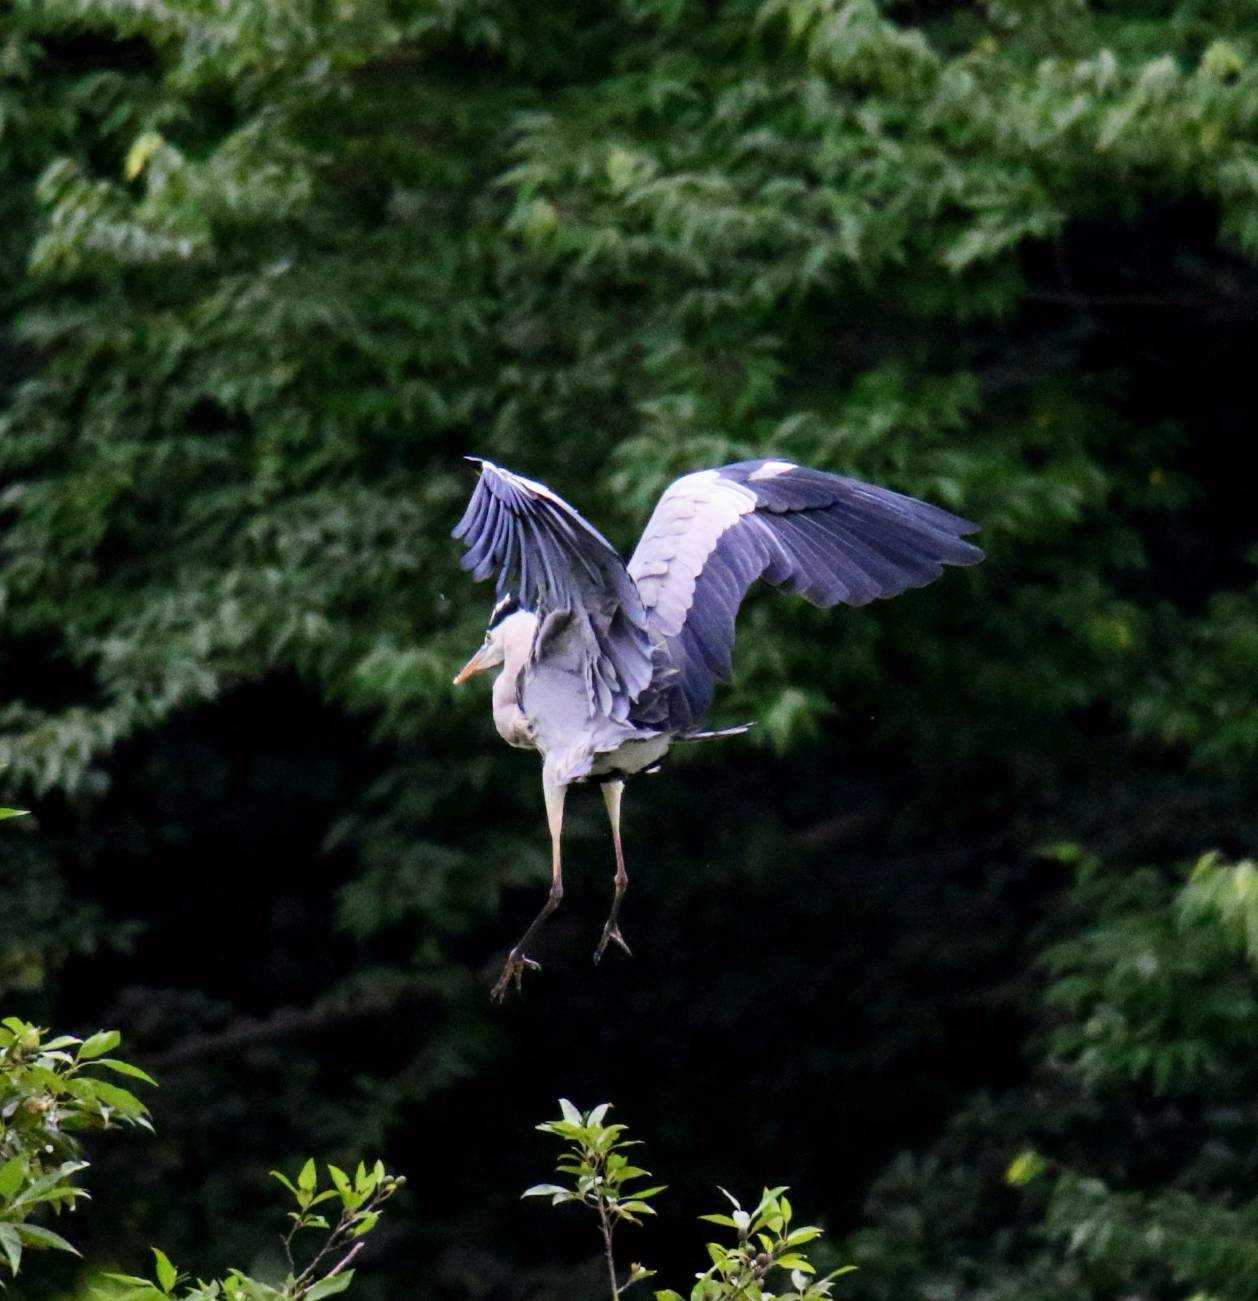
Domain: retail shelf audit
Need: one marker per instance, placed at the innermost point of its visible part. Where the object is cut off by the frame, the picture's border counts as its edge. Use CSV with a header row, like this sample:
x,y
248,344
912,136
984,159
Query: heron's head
x,y
510,633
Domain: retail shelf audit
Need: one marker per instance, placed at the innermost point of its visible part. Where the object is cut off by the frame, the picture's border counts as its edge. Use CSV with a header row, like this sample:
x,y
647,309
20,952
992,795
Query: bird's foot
x,y
513,969
611,932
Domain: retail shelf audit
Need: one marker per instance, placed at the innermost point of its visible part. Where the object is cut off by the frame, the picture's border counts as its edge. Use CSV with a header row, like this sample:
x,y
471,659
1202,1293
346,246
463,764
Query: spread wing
x,y
829,538
550,559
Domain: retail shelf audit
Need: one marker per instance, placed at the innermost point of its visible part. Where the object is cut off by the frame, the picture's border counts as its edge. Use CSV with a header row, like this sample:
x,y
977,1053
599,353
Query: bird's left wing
x,y
829,538
550,559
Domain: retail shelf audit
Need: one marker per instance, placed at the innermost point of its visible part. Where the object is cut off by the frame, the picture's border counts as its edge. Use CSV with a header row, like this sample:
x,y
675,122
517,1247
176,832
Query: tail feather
x,y
720,731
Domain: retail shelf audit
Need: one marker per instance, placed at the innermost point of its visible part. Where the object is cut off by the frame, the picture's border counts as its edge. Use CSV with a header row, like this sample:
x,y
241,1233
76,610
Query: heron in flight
x,y
605,665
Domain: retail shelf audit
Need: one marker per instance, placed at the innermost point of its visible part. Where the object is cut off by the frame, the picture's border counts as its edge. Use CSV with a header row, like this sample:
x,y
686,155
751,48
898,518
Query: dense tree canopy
x,y
270,268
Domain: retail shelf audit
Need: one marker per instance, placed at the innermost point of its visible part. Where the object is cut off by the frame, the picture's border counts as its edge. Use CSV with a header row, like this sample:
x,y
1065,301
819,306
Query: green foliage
x,y
1160,986
357,1201
254,337
51,1092
268,269
765,1243
1136,1168
599,1175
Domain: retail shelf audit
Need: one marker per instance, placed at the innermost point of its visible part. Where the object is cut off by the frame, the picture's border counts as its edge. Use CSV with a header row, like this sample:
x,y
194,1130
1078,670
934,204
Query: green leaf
x,y
47,1183
167,1274
142,149
570,1113
125,1068
364,1226
1023,1168
139,1289
330,1286
122,1101
11,1245
35,1235
12,1174
13,813
793,1260
61,1041
98,1044
798,1237
309,1174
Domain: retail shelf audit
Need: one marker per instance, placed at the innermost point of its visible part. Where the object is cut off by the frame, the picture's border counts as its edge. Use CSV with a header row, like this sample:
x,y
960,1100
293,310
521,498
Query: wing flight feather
x,y
550,559
831,539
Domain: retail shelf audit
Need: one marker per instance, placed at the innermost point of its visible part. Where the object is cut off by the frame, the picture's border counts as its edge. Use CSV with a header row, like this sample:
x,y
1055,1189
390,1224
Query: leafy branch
x,y
765,1242
50,1091
327,1271
600,1174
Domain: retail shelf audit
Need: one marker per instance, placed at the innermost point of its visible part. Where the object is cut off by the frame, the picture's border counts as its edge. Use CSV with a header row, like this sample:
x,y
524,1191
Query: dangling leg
x,y
517,960
612,792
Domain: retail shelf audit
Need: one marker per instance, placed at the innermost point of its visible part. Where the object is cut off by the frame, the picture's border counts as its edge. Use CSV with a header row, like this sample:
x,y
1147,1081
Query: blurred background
x,y
270,268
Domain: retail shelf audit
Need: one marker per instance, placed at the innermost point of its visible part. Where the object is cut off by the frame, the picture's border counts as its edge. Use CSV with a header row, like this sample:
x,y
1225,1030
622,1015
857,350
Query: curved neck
x,y
517,644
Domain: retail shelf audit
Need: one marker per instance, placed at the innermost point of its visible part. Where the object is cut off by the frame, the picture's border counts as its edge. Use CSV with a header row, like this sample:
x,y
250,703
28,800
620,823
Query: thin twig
x,y
287,1240
345,1260
335,1238
607,1247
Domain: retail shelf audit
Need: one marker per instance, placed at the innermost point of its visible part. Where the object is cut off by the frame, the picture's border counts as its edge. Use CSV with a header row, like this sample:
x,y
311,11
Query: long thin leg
x,y
612,791
517,960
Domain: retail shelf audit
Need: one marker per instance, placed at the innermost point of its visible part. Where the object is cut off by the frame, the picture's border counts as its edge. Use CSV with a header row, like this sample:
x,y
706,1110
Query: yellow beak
x,y
469,670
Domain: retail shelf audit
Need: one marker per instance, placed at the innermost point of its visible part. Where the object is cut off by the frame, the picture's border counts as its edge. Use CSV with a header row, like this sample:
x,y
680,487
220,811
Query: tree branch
x,y
286,1023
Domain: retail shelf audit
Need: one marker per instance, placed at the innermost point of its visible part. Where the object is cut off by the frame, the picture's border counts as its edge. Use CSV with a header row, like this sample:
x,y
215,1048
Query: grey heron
x,y
606,664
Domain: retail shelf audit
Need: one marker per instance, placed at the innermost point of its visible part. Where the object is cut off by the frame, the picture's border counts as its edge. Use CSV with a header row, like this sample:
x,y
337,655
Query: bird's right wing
x,y
554,562
829,538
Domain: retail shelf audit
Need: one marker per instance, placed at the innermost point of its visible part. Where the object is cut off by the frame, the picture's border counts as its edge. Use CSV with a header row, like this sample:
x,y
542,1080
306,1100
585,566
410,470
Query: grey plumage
x,y
548,558
831,539
650,640
607,663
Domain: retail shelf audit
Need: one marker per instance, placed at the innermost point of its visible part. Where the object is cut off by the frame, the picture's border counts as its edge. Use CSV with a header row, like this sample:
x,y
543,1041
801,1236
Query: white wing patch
x,y
682,533
771,469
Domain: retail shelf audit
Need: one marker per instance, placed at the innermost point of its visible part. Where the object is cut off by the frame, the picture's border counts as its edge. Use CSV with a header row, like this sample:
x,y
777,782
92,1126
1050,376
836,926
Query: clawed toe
x,y
611,933
513,970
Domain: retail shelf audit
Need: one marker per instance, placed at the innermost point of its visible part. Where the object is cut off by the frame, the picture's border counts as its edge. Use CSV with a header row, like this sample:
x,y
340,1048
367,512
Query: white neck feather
x,y
517,641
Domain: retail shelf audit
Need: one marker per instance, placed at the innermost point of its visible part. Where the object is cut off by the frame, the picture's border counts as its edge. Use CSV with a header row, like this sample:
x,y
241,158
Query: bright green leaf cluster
x,y
357,1200
765,1243
599,1176
597,1166
51,1091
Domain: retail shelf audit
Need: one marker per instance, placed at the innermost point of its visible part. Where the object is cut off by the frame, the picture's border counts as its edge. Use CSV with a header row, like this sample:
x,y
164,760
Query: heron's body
x,y
605,664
